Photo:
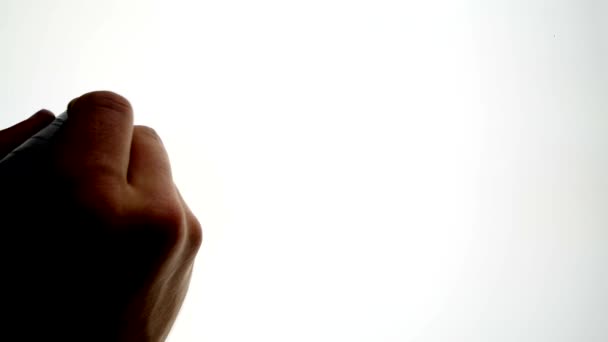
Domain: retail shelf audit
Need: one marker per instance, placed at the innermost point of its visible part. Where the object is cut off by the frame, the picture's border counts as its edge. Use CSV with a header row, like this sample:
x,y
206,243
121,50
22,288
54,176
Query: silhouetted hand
x,y
97,242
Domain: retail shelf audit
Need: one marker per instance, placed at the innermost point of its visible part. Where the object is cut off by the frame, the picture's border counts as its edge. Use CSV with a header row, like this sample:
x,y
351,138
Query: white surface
x,y
364,170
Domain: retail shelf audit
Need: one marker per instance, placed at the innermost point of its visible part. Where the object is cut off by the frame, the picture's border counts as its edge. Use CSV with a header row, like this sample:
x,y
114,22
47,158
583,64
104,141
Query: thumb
x,y
12,137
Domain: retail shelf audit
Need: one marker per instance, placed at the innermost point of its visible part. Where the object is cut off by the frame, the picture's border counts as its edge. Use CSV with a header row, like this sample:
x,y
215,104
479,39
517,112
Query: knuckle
x,y
104,100
195,236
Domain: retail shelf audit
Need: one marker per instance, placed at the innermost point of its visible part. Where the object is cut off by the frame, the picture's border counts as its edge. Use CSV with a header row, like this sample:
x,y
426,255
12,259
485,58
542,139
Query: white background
x,y
364,170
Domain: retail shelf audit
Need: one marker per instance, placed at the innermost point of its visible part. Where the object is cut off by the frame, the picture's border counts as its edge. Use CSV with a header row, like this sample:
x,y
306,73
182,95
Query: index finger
x,y
95,140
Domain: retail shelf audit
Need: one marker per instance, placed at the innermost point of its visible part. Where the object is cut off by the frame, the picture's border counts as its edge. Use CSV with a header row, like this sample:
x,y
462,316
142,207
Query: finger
x,y
151,185
96,139
12,137
149,165
151,177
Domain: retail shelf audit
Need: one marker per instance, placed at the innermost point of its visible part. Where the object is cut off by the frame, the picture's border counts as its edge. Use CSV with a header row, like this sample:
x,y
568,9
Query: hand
x,y
97,242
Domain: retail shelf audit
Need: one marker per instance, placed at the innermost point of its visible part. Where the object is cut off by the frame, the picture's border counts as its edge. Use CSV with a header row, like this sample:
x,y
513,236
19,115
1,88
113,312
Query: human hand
x,y
97,242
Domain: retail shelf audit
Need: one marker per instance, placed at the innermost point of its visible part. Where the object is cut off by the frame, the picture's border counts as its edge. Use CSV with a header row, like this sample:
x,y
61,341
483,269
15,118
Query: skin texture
x,y
98,244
